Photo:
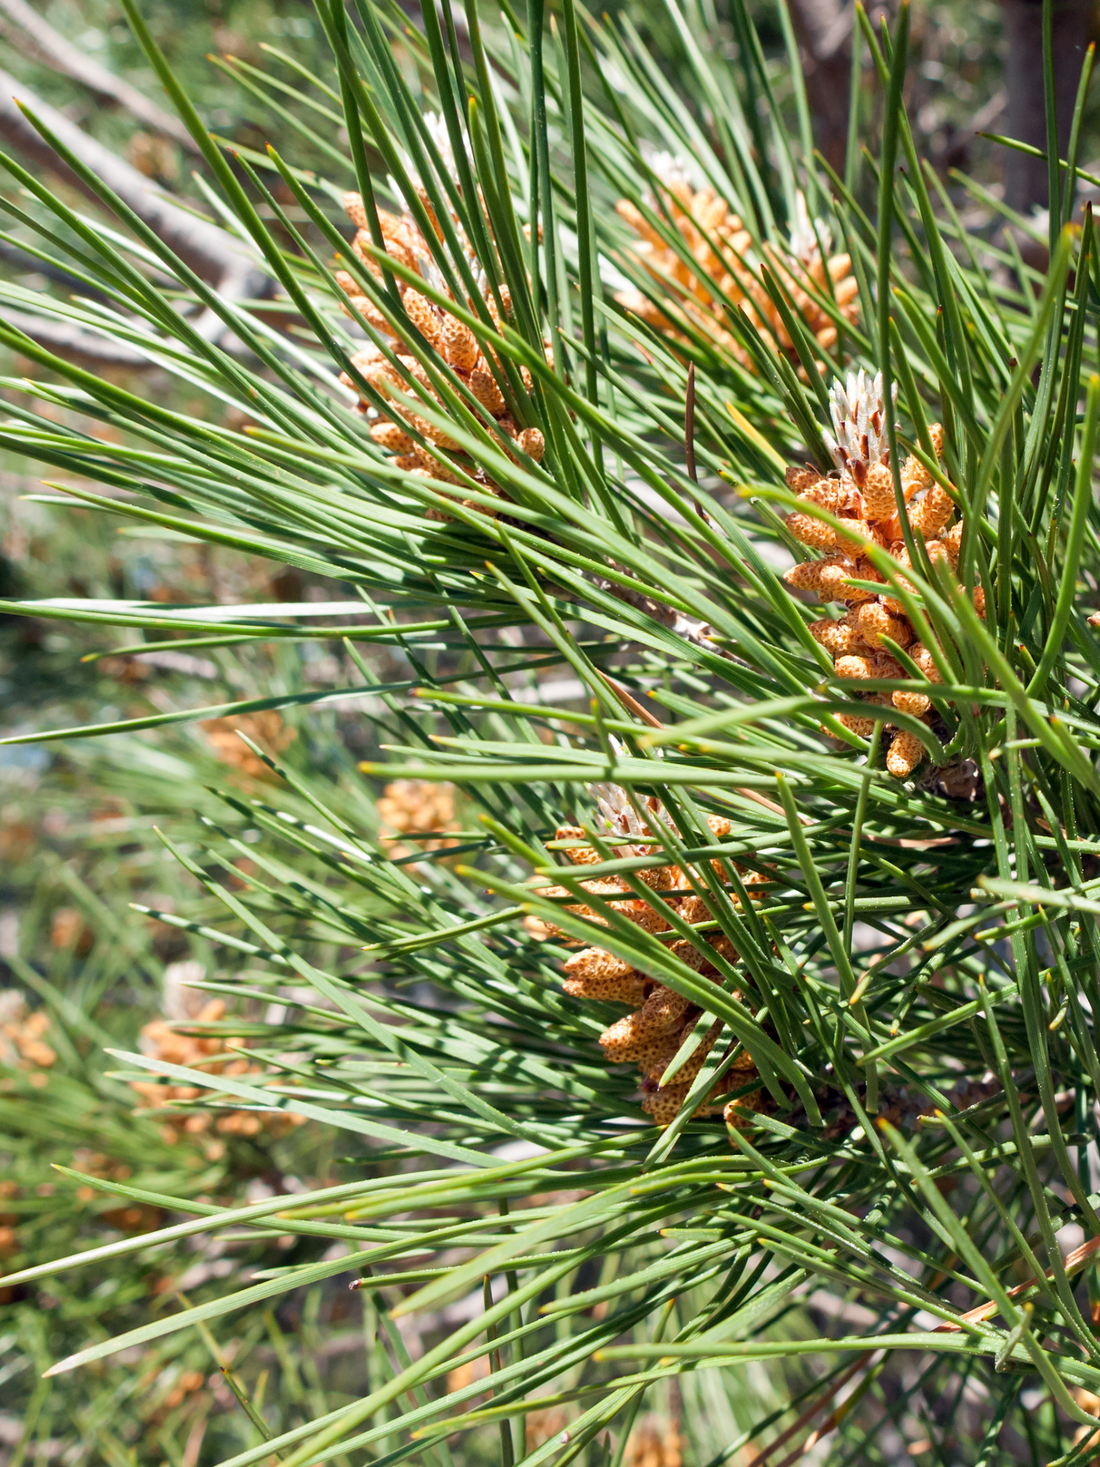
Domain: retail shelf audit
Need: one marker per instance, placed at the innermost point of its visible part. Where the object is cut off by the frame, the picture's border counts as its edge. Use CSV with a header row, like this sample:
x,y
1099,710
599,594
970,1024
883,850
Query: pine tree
x,y
598,361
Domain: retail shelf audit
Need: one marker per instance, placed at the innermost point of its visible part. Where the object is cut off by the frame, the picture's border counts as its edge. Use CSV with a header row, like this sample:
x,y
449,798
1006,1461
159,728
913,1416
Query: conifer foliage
x,y
527,429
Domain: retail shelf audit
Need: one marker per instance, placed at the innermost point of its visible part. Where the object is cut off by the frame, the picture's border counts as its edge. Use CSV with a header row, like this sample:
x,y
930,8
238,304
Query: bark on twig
x,y
24,260
69,339
1073,1263
824,32
761,1458
63,56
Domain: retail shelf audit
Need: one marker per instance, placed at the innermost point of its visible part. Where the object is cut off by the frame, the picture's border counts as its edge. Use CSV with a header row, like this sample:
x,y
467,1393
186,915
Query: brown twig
x,y
73,339
631,704
1072,1263
807,1416
1025,176
824,28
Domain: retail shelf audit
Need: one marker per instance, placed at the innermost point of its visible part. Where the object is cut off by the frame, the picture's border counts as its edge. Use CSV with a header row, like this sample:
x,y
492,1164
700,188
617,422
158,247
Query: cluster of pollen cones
x,y
725,269
661,1019
265,728
420,446
22,1034
162,1039
418,807
861,494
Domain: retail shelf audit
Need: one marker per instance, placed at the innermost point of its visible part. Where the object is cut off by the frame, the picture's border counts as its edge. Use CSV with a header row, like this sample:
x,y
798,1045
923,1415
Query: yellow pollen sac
x,y
915,703
862,494
833,577
726,266
856,667
806,576
931,513
834,495
923,658
853,536
856,724
579,855
392,437
875,622
879,502
905,753
597,974
810,531
533,443
754,1102
799,480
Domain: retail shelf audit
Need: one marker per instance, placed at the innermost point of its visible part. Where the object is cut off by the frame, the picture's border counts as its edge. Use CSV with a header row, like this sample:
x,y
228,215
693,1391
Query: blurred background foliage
x,y
80,972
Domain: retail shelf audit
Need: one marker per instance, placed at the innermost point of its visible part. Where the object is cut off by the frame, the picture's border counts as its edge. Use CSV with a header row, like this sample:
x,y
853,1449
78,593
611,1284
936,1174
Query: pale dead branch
x,y
207,249
68,339
63,56
211,252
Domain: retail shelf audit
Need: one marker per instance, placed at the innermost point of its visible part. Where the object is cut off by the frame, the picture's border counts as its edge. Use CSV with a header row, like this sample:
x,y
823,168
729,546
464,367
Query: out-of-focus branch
x,y
68,339
1025,178
63,56
24,260
824,32
211,252
824,29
